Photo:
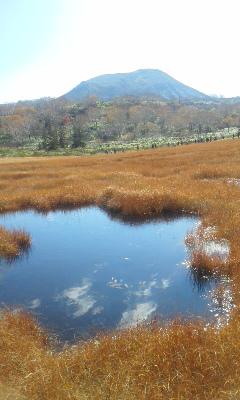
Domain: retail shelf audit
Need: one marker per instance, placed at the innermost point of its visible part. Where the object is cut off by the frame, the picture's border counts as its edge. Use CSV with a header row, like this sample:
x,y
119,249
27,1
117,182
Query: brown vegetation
x,y
206,253
180,361
12,244
51,123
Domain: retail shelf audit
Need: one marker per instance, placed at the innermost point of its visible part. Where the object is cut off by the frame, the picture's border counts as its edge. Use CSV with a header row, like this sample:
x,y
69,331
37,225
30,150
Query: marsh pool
x,y
87,272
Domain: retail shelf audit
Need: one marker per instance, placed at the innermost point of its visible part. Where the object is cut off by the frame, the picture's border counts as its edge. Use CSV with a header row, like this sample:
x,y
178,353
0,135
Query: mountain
x,y
144,82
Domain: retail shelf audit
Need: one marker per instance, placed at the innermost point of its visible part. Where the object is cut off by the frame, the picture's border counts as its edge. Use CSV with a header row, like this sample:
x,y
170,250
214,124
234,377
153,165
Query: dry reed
x,y
13,244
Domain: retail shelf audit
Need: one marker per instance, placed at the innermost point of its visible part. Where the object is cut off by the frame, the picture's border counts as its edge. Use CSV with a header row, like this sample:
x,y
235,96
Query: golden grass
x,y
12,244
180,361
198,243
7,393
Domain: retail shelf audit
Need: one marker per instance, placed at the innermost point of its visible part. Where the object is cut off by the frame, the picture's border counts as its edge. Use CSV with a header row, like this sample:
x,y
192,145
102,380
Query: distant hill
x,y
144,82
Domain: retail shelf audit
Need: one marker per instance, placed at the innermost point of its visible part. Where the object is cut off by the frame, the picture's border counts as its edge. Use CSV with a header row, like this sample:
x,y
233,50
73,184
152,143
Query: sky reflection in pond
x,y
87,272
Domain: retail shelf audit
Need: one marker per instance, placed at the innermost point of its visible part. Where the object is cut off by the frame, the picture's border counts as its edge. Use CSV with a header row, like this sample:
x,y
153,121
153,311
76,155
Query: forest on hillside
x,y
56,123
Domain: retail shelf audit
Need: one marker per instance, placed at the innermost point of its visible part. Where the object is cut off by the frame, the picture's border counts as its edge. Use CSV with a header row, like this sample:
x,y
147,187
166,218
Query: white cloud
x,y
35,303
78,296
165,283
140,313
97,310
117,284
145,288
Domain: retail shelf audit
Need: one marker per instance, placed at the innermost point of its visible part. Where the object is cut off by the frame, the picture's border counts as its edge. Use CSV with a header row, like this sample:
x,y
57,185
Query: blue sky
x,y
26,28
49,46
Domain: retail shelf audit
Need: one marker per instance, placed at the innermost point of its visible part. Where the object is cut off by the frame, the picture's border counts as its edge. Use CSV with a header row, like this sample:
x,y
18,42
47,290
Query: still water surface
x,y
88,272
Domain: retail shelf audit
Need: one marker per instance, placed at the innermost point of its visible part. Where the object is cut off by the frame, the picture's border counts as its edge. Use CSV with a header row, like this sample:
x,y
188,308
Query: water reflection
x,y
202,278
80,297
139,313
165,216
87,272
221,302
34,304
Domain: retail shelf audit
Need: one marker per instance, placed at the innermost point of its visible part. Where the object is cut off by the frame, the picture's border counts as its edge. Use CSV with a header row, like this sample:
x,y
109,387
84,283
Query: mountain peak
x,y
142,82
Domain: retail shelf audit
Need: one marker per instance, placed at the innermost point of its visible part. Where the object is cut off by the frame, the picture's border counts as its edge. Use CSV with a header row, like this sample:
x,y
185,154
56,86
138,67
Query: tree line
x,y
57,123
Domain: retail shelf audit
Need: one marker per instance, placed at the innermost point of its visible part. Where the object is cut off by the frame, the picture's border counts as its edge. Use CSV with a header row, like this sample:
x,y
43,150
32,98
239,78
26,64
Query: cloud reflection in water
x,y
79,297
140,313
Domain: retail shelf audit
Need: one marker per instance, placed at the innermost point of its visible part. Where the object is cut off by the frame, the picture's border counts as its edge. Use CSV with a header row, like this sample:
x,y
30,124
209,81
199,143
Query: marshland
x,y
181,358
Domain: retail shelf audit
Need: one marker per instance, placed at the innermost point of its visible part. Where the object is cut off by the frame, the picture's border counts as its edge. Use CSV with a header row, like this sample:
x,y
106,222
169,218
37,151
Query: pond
x,y
87,272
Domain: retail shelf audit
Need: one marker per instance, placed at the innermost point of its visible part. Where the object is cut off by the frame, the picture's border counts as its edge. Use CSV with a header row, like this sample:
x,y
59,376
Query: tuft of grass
x,y
178,361
200,260
13,244
206,253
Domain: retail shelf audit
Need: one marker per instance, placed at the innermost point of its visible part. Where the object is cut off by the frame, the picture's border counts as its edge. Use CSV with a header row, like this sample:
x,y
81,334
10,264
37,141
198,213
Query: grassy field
x,y
181,361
